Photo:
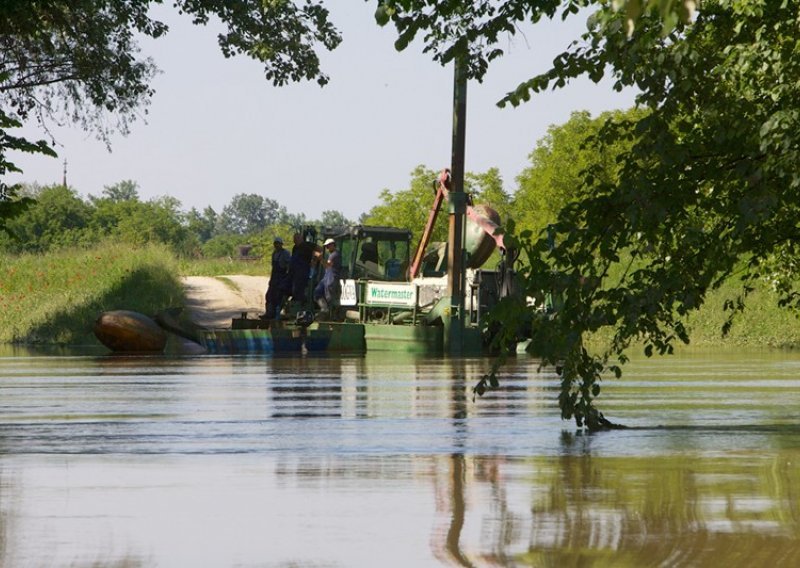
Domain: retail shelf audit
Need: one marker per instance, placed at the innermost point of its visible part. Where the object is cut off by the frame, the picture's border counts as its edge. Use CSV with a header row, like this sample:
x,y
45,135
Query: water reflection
x,y
457,502
23,351
384,461
312,389
575,510
674,511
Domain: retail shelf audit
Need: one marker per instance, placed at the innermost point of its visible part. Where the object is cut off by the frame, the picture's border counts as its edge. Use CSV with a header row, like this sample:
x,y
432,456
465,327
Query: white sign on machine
x,y
379,293
348,297
391,294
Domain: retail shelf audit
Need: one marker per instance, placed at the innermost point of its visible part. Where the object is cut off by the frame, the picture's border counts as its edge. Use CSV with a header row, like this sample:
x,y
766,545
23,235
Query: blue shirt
x,y
333,268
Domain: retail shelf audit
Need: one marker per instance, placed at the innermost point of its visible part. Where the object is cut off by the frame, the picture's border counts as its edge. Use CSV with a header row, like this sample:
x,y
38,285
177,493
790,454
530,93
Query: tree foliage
x,y
202,224
333,218
409,208
58,218
554,176
130,220
474,31
125,190
11,204
487,188
80,59
250,213
707,191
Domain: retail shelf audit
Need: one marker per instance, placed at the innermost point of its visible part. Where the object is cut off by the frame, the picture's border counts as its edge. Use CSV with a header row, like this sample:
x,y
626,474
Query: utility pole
x,y
454,321
64,181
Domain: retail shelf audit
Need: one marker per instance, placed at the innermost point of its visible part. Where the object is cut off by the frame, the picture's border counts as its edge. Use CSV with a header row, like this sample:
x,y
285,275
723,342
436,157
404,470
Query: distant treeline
x,y
60,218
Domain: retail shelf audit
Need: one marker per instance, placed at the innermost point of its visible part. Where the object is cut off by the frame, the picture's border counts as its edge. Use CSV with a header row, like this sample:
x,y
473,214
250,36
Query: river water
x,y
385,460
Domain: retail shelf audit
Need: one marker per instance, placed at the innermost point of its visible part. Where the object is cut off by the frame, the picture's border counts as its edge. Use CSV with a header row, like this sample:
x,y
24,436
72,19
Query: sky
x,y
216,127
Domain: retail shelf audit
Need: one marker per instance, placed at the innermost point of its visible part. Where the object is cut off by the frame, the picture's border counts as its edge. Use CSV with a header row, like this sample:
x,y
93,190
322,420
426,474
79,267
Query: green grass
x,y
55,298
762,324
221,266
229,283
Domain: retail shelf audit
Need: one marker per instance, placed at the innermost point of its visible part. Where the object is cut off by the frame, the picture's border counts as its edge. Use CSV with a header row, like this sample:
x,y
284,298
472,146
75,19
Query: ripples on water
x,y
387,461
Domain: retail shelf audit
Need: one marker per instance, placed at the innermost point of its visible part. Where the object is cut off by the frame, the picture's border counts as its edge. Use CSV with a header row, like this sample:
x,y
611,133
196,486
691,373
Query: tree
x,y
471,31
78,61
487,188
11,204
707,190
295,221
557,163
224,245
80,58
250,213
202,225
125,190
57,218
332,218
157,220
408,208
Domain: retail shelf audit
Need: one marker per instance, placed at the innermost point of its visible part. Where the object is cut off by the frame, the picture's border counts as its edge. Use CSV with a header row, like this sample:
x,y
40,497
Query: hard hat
x,y
328,242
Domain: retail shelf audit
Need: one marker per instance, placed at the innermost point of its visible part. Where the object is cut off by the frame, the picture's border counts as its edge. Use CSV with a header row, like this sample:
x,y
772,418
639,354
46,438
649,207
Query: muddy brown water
x,y
386,460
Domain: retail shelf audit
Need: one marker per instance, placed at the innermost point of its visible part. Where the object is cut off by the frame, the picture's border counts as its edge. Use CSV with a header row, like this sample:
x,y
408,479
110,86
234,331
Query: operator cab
x,y
372,253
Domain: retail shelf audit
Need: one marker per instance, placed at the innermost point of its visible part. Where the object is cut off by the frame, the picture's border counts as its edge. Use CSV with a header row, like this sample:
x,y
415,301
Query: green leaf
x,y
382,16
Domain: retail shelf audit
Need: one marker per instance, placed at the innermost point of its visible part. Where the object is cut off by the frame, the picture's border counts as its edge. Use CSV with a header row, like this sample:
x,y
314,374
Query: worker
x,y
279,283
300,267
329,290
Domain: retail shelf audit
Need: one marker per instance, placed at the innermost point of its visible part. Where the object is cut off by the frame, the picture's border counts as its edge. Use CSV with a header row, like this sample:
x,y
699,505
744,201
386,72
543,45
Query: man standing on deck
x,y
279,283
300,268
329,289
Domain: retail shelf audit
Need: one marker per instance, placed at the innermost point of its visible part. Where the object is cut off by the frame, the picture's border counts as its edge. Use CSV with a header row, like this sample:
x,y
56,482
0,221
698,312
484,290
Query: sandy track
x,y
211,302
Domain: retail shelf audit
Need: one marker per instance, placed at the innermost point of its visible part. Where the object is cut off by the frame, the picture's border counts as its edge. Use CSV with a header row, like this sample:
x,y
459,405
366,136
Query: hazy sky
x,y
216,127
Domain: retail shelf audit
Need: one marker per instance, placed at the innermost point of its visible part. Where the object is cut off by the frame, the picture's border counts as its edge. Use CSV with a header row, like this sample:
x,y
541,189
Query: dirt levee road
x,y
212,302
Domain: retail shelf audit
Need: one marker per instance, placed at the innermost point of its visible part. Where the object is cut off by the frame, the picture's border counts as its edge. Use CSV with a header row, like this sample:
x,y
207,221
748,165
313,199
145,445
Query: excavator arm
x,y
477,215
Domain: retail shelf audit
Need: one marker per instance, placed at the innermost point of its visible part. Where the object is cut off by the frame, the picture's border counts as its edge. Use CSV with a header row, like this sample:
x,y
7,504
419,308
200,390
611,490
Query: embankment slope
x,y
211,302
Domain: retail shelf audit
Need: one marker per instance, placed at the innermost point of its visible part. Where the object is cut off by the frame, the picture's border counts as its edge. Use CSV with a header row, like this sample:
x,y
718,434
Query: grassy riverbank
x,y
222,266
762,324
55,298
